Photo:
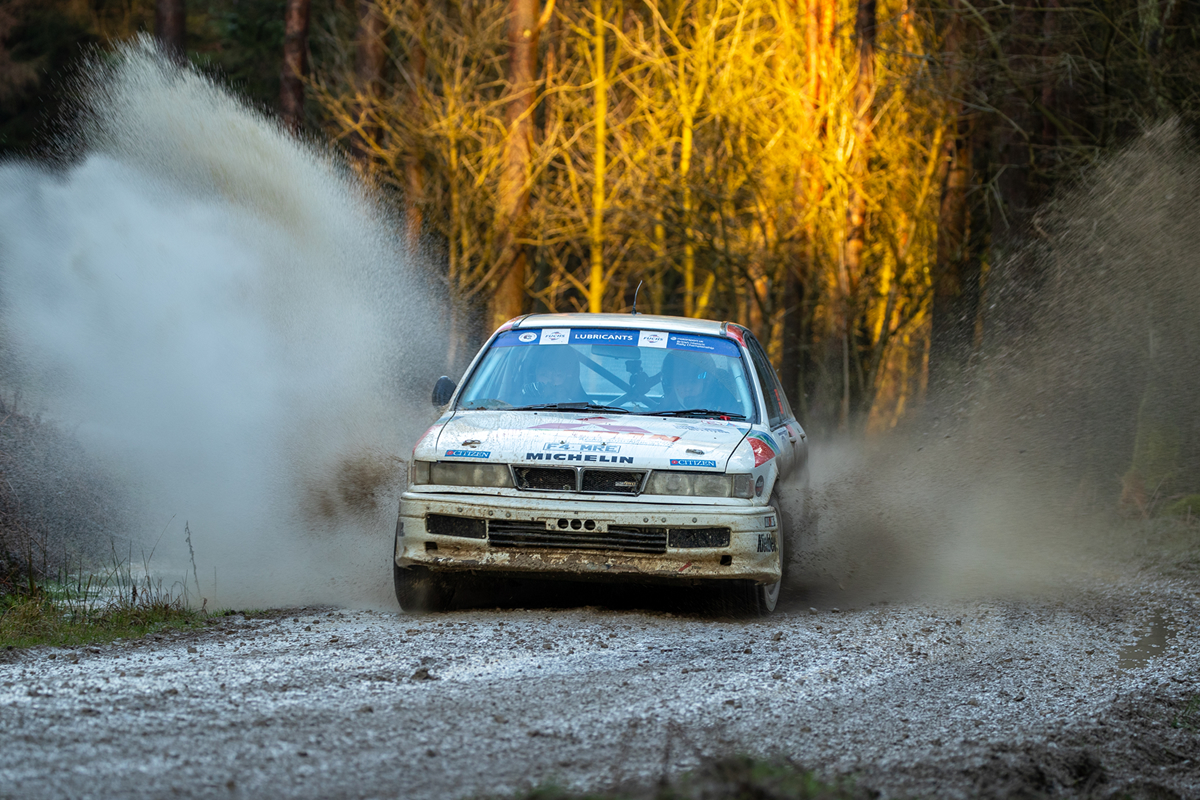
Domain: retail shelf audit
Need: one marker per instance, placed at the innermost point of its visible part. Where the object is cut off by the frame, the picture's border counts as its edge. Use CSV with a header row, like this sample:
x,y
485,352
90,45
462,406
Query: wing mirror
x,y
443,390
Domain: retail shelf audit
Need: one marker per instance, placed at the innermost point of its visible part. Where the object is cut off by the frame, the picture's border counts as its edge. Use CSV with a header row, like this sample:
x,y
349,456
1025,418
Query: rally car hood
x,y
589,439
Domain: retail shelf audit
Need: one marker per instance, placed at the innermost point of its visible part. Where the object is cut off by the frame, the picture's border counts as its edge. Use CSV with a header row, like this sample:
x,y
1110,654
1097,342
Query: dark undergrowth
x,y
731,778
61,579
58,505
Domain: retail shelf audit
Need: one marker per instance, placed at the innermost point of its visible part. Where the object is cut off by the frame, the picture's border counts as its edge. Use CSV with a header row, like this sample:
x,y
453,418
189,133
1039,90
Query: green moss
x,y
1156,454
1184,507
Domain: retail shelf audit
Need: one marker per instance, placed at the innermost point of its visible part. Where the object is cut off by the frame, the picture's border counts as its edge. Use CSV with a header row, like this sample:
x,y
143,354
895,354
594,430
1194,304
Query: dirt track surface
x,y
984,698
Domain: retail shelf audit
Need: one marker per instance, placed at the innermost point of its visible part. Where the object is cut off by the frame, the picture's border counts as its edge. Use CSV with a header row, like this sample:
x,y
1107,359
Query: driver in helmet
x,y
555,373
690,381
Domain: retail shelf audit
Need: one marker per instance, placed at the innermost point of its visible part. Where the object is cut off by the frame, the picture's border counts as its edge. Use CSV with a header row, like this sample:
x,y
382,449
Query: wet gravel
x,y
1091,693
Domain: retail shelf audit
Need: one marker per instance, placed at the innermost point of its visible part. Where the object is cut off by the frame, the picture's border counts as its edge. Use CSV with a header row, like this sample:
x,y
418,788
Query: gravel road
x,y
1086,693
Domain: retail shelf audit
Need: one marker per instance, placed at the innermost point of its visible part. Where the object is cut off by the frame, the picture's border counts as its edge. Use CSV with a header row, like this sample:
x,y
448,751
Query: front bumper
x,y
751,554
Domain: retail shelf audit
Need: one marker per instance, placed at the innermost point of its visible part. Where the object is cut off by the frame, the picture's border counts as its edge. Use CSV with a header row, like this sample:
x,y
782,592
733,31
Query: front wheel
x,y
420,590
748,599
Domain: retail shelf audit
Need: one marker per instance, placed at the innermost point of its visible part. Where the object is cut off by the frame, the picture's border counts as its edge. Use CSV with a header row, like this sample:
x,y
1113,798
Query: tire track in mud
x,y
982,698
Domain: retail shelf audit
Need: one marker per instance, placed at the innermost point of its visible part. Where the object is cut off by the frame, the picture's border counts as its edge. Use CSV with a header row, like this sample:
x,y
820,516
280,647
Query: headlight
x,y
698,484
454,474
445,473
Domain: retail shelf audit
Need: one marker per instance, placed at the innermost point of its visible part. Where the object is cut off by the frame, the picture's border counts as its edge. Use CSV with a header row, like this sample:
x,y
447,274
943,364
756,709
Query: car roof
x,y
636,321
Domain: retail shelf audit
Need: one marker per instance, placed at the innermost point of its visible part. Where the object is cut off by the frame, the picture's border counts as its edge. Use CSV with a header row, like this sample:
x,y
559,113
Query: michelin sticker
x,y
468,454
603,459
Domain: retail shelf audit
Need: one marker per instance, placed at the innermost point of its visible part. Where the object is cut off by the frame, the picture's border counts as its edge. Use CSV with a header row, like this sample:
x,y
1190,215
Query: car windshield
x,y
612,370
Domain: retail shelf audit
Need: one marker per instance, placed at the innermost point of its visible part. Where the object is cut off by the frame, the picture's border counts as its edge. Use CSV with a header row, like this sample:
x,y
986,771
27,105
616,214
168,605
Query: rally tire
x,y
418,590
749,599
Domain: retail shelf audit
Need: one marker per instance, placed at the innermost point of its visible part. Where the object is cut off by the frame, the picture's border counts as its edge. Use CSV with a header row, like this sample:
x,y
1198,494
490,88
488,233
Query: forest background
x,y
861,182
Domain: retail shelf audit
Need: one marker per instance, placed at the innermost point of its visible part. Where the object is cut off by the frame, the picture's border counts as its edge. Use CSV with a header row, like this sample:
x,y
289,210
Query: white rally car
x,y
633,447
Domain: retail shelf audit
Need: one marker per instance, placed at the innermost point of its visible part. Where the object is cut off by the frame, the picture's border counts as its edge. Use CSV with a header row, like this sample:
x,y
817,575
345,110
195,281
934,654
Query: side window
x,y
777,409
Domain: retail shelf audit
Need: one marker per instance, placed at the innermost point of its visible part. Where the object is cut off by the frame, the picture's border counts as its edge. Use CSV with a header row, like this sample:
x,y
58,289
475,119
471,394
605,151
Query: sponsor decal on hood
x,y
599,458
540,437
602,425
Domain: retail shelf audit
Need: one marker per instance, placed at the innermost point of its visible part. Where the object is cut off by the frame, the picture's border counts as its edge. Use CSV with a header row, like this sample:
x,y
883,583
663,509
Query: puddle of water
x,y
1154,643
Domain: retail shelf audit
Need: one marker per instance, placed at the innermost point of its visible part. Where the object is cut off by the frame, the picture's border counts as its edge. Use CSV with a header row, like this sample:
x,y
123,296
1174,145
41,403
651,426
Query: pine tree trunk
x,y
856,393
956,276
369,58
956,272
414,172
792,363
295,63
600,113
864,91
170,28
509,298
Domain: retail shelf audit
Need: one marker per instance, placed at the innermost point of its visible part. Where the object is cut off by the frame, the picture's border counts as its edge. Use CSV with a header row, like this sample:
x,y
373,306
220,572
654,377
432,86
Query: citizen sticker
x,y
467,453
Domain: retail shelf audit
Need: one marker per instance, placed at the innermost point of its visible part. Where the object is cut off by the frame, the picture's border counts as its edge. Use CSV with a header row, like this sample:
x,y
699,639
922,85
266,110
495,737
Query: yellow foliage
x,y
707,147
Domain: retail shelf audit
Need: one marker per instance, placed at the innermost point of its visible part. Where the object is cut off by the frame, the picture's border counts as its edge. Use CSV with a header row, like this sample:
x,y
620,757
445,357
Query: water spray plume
x,y
227,316
1082,407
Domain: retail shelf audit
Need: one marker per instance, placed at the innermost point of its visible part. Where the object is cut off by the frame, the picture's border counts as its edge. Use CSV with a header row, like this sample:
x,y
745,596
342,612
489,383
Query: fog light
x,y
698,537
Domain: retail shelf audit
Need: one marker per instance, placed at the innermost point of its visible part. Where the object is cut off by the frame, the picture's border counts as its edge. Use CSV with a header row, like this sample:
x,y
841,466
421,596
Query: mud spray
x,y
1085,402
230,322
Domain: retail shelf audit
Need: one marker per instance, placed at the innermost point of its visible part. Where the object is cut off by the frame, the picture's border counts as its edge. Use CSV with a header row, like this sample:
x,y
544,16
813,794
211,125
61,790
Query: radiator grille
x,y
612,480
622,539
546,480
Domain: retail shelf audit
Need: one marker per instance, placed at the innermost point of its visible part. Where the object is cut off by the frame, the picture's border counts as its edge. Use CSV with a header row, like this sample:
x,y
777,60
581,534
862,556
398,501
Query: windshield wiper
x,y
571,407
697,412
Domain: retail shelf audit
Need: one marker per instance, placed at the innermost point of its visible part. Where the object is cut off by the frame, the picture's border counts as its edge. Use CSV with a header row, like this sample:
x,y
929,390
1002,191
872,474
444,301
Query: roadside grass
x,y
730,778
1168,545
89,608
43,620
1189,718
